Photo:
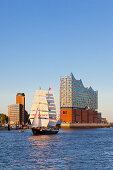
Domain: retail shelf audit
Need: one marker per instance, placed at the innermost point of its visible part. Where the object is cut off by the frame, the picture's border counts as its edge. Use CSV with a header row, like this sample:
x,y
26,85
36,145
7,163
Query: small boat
x,y
20,131
45,119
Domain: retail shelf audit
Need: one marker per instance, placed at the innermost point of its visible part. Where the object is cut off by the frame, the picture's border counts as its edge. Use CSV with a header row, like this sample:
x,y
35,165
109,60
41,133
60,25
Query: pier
x,y
84,125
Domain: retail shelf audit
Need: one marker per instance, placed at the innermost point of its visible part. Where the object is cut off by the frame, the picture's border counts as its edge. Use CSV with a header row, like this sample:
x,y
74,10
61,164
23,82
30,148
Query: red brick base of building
x,y
71,115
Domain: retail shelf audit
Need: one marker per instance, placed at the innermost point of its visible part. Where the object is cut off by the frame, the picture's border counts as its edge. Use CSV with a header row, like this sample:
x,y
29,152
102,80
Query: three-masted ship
x,y
43,114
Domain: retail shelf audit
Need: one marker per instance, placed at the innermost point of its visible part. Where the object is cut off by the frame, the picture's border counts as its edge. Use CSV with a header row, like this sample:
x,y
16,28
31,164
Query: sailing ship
x,y
44,113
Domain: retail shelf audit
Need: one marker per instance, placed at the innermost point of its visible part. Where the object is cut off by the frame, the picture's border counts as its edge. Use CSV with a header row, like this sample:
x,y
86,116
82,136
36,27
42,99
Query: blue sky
x,y
42,40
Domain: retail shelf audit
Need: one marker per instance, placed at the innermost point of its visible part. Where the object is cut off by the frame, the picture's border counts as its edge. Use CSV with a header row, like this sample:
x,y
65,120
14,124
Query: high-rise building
x,y
77,103
20,99
14,112
73,94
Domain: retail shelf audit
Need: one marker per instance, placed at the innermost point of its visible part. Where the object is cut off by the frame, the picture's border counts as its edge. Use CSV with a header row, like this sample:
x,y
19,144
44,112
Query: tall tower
x,y
20,99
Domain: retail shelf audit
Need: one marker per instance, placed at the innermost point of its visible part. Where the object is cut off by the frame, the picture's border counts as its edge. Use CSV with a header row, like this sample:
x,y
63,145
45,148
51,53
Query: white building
x,y
73,94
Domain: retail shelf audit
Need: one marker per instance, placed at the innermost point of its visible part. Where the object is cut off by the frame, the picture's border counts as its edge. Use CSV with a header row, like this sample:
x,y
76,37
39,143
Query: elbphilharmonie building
x,y
73,94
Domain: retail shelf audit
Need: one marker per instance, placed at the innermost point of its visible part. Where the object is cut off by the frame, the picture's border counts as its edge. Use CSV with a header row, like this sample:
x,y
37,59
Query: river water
x,y
70,149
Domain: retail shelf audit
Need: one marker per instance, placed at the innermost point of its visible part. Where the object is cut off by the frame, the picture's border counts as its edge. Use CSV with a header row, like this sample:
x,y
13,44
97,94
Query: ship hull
x,y
37,131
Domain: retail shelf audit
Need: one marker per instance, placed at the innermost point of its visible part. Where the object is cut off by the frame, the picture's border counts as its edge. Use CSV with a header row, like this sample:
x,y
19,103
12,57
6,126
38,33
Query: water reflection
x,y
44,149
69,149
43,140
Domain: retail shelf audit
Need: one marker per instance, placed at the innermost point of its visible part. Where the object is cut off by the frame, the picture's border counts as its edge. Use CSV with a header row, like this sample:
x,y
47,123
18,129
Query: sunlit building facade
x,y
73,94
14,112
20,99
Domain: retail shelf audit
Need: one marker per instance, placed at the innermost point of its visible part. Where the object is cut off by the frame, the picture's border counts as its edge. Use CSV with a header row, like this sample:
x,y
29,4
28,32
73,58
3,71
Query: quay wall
x,y
84,125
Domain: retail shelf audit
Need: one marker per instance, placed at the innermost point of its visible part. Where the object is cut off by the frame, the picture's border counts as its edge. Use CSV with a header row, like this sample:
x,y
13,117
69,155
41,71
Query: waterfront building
x,y
99,117
104,120
72,115
14,113
77,103
26,117
2,118
20,99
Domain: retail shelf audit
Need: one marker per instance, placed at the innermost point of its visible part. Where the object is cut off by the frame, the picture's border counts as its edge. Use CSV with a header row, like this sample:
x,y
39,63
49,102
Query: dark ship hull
x,y
41,131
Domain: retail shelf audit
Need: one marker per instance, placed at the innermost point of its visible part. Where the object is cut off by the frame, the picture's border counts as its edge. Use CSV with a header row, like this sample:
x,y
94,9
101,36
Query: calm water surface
x,y
69,149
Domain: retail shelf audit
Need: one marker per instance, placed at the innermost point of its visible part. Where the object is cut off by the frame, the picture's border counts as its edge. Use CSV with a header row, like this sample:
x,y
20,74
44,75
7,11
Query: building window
x,y
64,112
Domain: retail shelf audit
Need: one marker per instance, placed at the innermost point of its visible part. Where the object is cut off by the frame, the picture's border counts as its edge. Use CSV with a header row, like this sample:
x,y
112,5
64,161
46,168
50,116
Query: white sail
x,y
40,120
37,121
44,115
45,101
39,99
52,122
52,110
44,122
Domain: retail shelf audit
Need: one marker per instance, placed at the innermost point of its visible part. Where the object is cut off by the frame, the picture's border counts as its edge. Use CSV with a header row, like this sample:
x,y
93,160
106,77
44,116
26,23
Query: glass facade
x,y
74,94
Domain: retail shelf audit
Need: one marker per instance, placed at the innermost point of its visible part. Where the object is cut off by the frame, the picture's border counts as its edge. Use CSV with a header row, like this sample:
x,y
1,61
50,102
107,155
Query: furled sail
x,y
52,110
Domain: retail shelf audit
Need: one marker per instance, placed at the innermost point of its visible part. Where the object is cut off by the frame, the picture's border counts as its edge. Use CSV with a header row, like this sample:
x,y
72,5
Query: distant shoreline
x,y
71,125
